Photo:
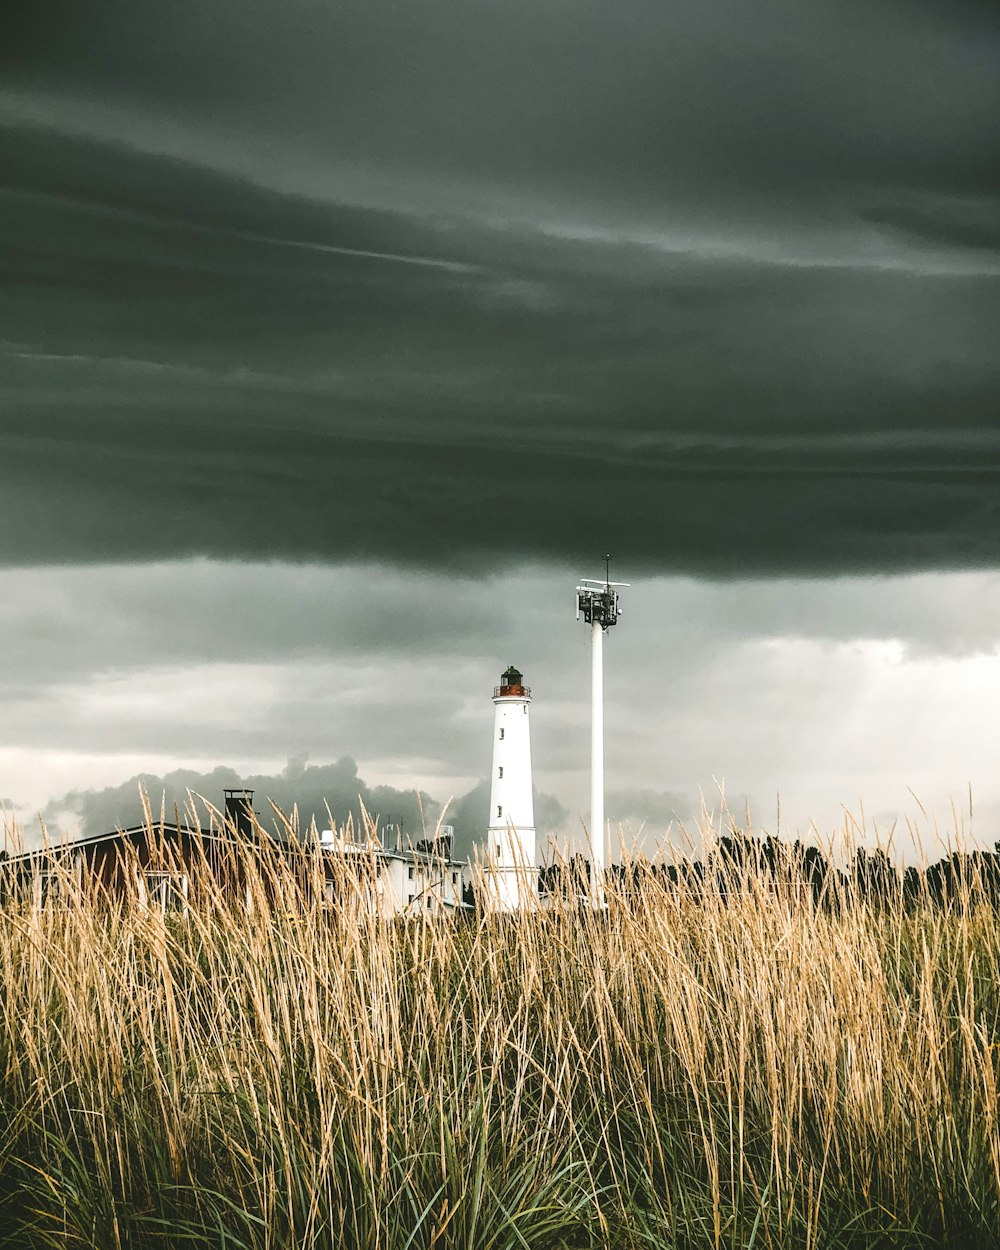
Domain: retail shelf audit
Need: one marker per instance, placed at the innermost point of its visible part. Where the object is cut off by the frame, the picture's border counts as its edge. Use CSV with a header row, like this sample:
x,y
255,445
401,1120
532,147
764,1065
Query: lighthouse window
x,y
500,772
526,709
501,735
499,809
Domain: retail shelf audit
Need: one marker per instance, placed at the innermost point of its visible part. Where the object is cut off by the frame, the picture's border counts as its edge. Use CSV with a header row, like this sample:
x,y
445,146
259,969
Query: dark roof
x,y
164,828
172,828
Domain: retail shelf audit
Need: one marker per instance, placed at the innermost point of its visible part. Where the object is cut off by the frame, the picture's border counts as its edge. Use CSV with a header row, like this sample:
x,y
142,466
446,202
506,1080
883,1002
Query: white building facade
x,y
423,880
510,874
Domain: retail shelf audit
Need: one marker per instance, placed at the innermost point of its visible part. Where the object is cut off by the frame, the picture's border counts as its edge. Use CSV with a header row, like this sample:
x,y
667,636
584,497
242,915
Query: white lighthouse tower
x,y
511,875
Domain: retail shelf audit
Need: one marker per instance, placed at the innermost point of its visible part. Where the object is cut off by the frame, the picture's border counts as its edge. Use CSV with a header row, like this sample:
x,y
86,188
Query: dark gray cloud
x,y
452,285
315,791
179,393
972,223
574,98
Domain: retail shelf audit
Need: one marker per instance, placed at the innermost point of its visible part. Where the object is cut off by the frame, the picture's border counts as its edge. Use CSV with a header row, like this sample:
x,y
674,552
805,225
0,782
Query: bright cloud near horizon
x,y
336,342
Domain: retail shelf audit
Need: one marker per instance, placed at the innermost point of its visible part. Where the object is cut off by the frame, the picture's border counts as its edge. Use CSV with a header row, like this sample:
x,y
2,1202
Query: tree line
x,y
803,870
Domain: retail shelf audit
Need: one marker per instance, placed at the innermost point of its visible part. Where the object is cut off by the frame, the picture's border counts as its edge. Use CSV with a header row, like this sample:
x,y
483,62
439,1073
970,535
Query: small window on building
x,y
166,891
500,773
499,809
50,887
501,735
59,882
526,709
429,901
498,850
454,878
409,873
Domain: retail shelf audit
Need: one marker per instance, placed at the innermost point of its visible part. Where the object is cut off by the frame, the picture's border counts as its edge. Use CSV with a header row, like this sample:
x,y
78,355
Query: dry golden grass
x,y
727,1063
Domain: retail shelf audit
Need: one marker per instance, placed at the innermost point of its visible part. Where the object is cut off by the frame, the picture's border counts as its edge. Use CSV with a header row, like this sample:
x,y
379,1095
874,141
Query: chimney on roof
x,y
239,811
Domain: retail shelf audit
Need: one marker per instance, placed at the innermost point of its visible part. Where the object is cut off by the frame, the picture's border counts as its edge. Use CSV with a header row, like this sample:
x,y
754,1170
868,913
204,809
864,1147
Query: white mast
x,y
598,831
511,851
597,603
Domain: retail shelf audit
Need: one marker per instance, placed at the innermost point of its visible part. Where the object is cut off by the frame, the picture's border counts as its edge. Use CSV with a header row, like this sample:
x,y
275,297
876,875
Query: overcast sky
x,y
338,340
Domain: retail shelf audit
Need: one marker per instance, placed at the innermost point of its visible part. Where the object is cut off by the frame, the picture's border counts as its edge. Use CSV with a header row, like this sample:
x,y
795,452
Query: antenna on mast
x,y
597,603
597,599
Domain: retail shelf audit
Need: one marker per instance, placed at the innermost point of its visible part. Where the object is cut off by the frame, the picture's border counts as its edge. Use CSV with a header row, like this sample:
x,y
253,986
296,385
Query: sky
x,y
337,341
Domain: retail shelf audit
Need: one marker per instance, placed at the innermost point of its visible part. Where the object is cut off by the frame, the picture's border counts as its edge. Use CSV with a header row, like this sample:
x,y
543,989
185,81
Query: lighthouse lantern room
x,y
510,857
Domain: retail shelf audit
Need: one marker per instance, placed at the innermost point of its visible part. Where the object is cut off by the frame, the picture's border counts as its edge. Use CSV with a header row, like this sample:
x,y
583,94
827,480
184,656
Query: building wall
x,y
510,852
171,868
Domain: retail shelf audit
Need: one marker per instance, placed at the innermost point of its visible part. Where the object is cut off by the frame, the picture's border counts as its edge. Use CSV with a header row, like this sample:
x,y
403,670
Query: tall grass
x,y
705,1063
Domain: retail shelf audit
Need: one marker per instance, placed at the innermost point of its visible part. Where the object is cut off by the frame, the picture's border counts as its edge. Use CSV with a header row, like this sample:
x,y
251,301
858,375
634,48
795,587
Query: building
x,y
510,877
153,863
416,881
166,863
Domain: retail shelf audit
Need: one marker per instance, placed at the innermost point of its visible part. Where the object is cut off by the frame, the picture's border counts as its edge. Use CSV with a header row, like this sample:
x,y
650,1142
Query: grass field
x,y
726,1061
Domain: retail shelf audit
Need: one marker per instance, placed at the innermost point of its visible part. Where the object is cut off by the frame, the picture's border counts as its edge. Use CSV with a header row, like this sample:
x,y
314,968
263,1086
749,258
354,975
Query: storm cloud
x,y
448,285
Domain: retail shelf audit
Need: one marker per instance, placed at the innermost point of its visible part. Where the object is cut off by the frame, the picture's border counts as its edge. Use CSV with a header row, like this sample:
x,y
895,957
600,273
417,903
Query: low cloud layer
x,y
304,794
316,791
809,695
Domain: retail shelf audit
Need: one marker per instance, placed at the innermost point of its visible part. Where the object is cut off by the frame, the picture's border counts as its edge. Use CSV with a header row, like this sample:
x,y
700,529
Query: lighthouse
x,y
510,859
